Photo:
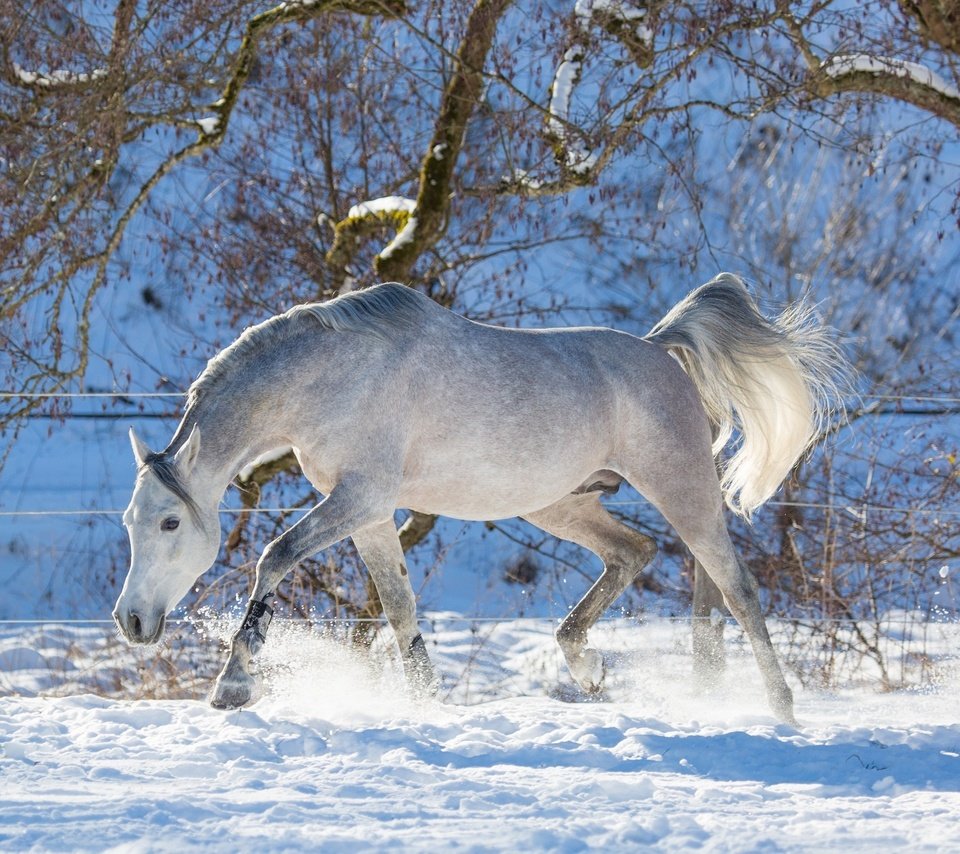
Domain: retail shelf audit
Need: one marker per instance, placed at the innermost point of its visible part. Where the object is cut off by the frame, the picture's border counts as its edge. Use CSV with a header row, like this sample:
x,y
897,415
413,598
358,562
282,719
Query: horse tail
x,y
777,382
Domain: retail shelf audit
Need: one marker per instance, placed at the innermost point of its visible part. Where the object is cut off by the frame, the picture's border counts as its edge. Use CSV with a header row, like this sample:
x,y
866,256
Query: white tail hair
x,y
777,382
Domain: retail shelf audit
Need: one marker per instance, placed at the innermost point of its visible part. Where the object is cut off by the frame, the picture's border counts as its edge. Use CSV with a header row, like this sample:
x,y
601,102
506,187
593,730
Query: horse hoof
x,y
424,685
232,695
587,668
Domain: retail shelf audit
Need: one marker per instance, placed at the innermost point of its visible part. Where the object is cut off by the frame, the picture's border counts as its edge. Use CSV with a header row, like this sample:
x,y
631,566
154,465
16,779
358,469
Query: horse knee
x,y
275,560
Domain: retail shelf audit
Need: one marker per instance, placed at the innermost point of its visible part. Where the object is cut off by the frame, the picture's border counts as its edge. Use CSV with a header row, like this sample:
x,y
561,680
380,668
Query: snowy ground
x,y
336,757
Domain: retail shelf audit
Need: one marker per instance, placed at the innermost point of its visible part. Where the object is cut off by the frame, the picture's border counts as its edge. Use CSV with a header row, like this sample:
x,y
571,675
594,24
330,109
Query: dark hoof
x,y
422,679
232,695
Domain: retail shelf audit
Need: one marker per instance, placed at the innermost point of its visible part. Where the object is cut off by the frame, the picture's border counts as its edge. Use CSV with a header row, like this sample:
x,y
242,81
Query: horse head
x,y
173,539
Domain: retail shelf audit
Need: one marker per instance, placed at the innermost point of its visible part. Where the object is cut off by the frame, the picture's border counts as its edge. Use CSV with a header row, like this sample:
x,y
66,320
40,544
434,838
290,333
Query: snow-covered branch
x,y
623,20
363,220
906,81
58,79
571,149
840,66
868,73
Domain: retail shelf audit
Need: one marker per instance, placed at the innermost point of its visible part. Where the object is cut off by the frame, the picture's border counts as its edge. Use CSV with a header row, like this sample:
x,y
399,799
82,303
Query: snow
x,y
56,78
268,457
838,66
392,204
523,178
208,126
388,204
586,9
568,72
577,155
403,237
336,756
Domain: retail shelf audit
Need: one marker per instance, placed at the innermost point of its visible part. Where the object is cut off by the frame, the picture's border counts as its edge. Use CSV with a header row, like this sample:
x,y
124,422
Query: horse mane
x,y
374,311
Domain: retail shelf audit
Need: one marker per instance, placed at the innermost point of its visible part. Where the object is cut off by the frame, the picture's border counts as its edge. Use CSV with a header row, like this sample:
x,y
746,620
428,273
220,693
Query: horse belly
x,y
515,422
484,486
462,501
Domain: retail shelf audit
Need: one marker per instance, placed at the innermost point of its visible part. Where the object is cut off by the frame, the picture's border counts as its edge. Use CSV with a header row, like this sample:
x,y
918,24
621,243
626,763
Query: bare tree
x,y
250,157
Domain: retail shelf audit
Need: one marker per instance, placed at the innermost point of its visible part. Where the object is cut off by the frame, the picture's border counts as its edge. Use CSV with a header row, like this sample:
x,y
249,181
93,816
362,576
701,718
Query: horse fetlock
x,y
418,669
253,632
781,703
252,640
571,638
587,669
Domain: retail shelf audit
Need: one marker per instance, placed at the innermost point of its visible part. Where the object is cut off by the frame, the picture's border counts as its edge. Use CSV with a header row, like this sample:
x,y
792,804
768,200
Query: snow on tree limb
x,y
57,79
365,219
905,81
571,150
622,20
840,66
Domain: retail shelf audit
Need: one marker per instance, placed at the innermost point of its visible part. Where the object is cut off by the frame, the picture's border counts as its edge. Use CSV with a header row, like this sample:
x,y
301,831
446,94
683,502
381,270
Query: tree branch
x,y
464,90
211,132
905,81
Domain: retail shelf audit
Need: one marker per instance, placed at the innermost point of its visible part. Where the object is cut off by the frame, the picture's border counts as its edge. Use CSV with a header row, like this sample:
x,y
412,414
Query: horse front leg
x,y
379,547
347,508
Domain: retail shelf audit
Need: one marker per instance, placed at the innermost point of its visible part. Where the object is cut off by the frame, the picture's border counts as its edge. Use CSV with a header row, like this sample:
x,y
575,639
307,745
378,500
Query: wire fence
x,y
841,503
685,620
842,640
133,395
856,509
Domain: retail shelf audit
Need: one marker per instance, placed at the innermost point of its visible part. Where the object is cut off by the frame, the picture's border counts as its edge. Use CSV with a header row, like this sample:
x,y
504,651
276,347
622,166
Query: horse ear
x,y
140,450
186,457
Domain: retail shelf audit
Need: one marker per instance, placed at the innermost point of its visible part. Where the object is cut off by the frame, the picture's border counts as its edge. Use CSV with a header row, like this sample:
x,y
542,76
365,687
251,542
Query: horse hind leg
x,y
692,504
581,519
709,660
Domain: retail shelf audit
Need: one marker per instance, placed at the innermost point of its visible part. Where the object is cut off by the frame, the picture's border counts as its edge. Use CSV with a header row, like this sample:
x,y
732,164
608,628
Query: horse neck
x,y
230,436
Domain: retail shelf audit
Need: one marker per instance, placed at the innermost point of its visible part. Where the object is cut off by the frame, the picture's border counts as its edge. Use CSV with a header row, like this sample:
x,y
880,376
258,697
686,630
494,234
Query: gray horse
x,y
389,400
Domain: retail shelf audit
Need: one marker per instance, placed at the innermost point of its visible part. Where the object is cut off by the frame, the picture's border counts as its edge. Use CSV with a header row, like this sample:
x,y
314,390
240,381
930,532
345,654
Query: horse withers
x,y
391,401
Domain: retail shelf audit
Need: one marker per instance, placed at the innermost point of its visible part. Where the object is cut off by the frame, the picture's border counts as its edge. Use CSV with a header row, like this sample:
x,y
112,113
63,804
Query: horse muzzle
x,y
139,628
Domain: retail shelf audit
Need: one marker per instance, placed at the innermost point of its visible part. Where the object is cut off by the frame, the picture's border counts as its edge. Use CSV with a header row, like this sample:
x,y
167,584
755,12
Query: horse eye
x,y
171,523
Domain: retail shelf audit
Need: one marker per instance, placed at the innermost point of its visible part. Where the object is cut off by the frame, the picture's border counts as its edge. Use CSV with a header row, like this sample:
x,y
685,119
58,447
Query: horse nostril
x,y
136,627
